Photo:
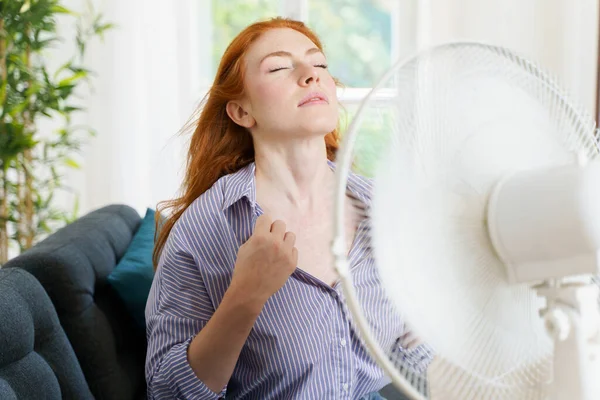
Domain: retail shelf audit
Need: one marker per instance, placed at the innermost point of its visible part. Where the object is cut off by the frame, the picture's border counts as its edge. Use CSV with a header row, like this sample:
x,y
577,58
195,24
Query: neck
x,y
295,176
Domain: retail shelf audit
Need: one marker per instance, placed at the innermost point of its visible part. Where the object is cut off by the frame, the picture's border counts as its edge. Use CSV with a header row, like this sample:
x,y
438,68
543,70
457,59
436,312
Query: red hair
x,y
218,145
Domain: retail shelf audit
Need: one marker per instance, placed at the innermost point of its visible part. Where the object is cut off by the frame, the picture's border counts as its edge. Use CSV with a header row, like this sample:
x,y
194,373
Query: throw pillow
x,y
132,277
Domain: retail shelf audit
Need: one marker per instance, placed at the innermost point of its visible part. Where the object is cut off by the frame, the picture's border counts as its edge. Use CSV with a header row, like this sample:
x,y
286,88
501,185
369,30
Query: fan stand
x,y
572,319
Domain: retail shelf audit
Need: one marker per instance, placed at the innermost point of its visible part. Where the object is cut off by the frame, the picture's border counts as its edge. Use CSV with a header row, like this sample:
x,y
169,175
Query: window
x,y
231,16
357,38
361,39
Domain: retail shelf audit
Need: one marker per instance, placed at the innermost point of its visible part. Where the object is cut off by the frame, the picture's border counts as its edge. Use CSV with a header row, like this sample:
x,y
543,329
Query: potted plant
x,y
32,161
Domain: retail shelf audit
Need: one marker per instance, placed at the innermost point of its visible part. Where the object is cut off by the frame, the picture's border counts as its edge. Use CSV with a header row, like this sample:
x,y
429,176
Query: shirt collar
x,y
238,185
242,183
359,187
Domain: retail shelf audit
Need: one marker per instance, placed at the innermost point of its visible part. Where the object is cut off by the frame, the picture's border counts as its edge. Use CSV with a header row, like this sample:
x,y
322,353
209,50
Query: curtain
x,y
148,79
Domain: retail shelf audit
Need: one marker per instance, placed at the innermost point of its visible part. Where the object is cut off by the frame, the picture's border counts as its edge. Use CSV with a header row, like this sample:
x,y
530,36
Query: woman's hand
x,y
265,261
409,340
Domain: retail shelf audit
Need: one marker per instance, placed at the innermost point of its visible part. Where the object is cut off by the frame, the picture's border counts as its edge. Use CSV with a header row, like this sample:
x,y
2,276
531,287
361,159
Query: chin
x,y
321,125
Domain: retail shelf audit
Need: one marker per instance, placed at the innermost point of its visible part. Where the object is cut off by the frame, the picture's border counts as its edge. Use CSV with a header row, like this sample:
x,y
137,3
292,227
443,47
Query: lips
x,y
314,98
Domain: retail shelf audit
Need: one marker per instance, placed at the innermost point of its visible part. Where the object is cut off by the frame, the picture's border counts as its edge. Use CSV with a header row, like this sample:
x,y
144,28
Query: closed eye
x,y
324,66
277,69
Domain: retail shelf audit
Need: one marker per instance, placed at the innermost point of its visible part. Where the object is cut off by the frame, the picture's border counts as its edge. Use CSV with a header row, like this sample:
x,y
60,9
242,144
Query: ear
x,y
239,115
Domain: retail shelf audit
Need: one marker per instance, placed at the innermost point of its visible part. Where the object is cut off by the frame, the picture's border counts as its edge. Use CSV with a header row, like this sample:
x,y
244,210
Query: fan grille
x,y
464,116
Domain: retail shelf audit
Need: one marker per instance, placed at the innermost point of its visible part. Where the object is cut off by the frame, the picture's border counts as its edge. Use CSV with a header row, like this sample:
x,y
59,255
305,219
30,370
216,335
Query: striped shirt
x,y
303,344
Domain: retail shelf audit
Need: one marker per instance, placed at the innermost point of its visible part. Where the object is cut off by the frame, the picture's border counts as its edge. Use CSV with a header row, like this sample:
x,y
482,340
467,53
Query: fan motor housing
x,y
545,224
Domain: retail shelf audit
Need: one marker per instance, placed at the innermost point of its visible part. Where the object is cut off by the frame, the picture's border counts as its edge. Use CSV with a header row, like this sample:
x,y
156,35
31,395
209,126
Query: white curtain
x,y
148,82
152,70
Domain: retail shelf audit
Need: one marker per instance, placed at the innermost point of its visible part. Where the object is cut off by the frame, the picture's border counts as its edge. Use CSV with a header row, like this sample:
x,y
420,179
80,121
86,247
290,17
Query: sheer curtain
x,y
153,69
147,84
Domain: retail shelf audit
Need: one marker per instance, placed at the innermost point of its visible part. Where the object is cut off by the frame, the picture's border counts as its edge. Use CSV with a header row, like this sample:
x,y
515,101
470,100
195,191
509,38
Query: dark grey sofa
x,y
75,339
33,344
72,266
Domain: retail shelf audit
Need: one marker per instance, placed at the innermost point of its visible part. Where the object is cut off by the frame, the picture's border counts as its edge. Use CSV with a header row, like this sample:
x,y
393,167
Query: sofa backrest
x,y
36,358
73,265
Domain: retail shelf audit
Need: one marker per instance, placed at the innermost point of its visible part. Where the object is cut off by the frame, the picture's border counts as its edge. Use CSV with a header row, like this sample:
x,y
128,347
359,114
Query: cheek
x,y
268,95
330,82
267,102
331,87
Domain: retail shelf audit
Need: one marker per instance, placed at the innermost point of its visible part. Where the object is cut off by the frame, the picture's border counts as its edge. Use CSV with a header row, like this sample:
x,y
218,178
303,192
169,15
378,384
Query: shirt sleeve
x,y
178,308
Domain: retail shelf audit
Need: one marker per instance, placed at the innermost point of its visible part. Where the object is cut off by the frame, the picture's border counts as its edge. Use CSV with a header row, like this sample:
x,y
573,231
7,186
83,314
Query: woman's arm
x,y
178,307
214,352
263,265
193,349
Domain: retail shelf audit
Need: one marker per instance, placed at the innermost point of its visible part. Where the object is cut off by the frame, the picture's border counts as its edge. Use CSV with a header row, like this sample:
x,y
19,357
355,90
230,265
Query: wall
x,y
561,35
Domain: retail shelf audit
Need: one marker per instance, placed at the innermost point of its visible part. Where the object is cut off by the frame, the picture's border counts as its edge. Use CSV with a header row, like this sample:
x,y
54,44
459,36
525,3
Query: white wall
x,y
561,35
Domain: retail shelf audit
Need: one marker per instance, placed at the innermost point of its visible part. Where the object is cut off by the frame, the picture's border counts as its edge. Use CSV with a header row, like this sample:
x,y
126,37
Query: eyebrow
x,y
282,53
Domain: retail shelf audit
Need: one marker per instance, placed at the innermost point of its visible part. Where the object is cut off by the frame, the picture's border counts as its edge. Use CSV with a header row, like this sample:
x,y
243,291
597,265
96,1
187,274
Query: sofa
x,y
72,266
64,331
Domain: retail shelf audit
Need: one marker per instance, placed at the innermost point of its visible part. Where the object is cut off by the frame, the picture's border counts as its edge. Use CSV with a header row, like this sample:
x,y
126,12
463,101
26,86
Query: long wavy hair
x,y
218,145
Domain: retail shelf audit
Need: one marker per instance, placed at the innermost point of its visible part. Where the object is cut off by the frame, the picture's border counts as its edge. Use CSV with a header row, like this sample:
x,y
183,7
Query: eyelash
x,y
324,66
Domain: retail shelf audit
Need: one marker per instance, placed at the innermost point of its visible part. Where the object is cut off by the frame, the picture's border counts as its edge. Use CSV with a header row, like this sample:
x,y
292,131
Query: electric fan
x,y
484,223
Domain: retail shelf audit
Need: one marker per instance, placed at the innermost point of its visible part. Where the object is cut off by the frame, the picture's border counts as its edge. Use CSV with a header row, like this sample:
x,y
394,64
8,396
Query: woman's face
x,y
289,90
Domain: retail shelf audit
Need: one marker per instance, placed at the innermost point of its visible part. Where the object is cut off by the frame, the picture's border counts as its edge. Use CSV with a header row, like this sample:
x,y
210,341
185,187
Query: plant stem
x,y
3,217
31,229
27,166
20,228
3,52
3,168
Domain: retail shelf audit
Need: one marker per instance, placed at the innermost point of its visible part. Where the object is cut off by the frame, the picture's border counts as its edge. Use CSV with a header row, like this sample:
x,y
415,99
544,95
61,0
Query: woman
x,y
245,300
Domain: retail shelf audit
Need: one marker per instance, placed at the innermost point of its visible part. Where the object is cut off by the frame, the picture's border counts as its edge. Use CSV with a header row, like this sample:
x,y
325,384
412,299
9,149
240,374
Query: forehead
x,y
279,39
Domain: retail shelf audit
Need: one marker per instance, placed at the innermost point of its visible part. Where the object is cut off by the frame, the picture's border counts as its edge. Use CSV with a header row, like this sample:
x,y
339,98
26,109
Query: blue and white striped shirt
x,y
303,344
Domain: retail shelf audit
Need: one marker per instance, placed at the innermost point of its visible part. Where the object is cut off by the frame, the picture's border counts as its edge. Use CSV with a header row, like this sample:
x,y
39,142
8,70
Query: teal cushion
x,y
132,277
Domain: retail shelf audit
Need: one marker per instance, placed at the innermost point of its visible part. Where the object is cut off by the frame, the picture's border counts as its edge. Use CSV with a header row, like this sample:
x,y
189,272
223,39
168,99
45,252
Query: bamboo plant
x,y
33,161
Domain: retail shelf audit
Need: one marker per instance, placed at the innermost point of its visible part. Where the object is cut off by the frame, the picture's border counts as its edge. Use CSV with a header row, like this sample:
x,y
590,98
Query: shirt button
x,y
345,387
343,342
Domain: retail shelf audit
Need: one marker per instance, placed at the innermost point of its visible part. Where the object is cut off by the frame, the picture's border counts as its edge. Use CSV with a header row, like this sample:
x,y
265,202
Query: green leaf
x,y
13,141
58,9
46,203
34,88
100,29
64,67
69,162
73,78
74,212
3,86
70,109
18,108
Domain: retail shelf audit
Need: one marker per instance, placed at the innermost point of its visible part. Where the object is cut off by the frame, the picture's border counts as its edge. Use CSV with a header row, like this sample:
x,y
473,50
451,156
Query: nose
x,y
309,74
